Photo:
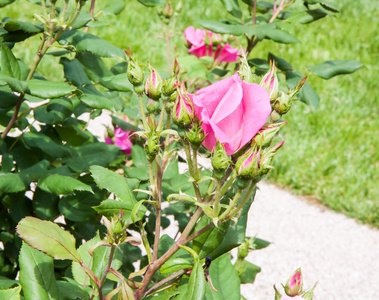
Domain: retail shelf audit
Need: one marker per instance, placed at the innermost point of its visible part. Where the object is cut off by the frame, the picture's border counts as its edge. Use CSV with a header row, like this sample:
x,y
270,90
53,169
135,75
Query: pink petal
x,y
194,37
228,54
198,51
109,140
257,109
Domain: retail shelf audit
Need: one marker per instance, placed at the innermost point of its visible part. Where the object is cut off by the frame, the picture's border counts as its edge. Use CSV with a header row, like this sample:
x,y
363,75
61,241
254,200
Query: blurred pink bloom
x,y
201,42
122,140
232,111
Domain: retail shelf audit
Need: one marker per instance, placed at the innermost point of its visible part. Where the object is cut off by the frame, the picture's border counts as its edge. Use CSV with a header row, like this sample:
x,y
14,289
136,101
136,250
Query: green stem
x,y
102,280
142,110
168,126
159,210
161,117
231,206
243,202
228,184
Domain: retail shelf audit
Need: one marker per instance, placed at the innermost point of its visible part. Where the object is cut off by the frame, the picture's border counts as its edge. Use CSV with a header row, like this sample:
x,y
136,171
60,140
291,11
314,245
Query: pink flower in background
x,y
201,42
232,111
121,139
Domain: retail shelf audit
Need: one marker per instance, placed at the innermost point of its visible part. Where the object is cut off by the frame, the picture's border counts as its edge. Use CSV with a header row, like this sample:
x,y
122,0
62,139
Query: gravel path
x,y
331,248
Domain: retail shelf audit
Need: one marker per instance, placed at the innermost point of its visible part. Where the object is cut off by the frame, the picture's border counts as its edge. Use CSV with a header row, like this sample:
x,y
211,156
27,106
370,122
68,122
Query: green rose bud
x,y
134,72
220,161
153,84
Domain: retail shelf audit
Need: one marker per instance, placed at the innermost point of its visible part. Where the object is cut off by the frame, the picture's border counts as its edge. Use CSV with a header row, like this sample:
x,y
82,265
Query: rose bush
x,y
232,111
201,44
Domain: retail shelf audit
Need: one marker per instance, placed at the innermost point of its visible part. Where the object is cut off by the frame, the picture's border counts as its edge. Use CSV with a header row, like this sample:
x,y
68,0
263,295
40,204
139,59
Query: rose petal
x,y
228,54
194,37
198,51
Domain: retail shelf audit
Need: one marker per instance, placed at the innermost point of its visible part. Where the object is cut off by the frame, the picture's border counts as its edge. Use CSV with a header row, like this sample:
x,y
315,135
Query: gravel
x,y
330,248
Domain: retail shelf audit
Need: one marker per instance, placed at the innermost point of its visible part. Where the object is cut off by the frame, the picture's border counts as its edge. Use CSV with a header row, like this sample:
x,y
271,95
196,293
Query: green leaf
x,y
249,271
74,73
13,183
73,134
114,7
281,36
60,184
225,279
329,7
306,17
219,27
280,63
113,182
49,238
117,83
196,284
259,63
257,244
5,3
139,156
9,63
110,207
11,25
306,94
233,8
49,89
15,85
37,274
87,42
72,290
45,205
95,153
93,66
10,294
332,68
151,3
235,234
126,126
8,100
78,272
175,264
44,143
78,207
98,101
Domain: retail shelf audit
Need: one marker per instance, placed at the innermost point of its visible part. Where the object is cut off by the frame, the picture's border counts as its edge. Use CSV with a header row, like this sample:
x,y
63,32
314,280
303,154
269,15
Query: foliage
x,y
52,166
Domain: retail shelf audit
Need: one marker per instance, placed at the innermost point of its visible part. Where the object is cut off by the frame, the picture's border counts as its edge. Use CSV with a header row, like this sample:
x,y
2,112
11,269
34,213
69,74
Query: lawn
x,y
330,154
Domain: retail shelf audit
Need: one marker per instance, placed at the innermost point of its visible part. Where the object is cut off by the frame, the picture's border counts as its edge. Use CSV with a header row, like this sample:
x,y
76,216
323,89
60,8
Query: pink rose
x,y
197,40
122,140
232,111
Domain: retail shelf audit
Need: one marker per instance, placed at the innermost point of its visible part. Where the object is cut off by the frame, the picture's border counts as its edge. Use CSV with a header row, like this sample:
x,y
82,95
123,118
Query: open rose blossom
x,y
198,46
232,111
122,140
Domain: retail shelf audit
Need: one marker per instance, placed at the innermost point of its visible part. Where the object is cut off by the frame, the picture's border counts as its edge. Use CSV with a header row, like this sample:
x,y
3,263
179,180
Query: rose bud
x,y
220,161
152,147
294,284
275,116
244,71
167,12
195,135
270,83
267,157
134,72
182,113
153,84
265,136
169,86
247,165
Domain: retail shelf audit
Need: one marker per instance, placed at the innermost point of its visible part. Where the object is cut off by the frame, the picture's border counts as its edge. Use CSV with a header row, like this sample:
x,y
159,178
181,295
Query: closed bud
x,y
139,88
182,113
167,11
169,86
220,161
247,165
294,284
134,72
152,147
265,164
173,97
243,250
153,84
179,7
266,134
195,135
283,103
270,82
275,116
153,108
245,72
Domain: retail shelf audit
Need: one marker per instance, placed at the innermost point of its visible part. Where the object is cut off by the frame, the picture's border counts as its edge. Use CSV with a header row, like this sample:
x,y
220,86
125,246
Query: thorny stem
x,y
160,122
158,192
243,202
91,11
168,126
170,279
225,214
107,269
153,268
216,206
254,11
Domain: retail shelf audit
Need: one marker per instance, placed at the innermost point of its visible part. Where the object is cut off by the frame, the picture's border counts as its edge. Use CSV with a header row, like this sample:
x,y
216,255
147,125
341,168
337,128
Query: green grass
x,y
332,153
